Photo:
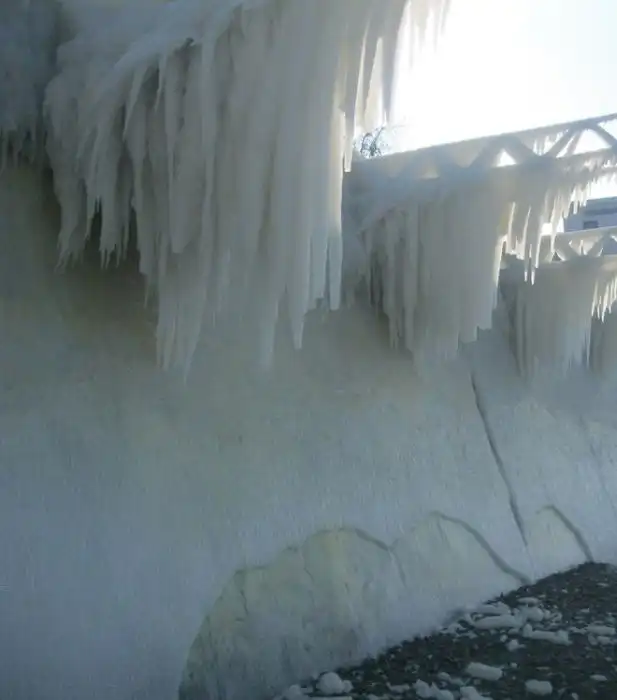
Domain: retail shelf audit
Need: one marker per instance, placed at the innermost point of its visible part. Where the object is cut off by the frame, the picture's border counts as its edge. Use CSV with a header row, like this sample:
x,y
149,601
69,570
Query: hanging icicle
x,y
554,314
434,255
224,125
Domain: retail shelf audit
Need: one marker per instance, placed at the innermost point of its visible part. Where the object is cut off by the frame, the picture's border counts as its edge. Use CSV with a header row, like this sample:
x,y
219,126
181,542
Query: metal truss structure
x,y
376,186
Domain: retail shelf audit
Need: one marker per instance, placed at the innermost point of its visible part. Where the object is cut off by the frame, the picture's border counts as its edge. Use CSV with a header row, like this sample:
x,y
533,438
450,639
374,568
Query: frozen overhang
x,y
216,132
567,316
436,223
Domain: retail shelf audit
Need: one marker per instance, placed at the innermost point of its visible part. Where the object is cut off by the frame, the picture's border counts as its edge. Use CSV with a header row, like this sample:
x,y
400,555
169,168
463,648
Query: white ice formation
x,y
438,224
565,317
219,130
214,134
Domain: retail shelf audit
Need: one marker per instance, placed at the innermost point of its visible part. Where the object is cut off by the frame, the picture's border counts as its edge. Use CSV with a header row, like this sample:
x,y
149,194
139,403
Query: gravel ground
x,y
556,638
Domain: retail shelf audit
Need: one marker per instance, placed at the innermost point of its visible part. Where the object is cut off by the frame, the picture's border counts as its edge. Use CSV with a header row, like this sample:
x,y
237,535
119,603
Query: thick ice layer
x,y
224,125
435,263
558,315
433,257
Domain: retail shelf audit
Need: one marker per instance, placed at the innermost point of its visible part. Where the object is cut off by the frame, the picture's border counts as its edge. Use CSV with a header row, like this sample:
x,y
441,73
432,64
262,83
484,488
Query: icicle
x,y
234,119
459,226
560,309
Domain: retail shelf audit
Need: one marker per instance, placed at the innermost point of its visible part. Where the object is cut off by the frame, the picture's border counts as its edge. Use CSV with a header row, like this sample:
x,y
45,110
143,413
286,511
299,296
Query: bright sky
x,y
504,65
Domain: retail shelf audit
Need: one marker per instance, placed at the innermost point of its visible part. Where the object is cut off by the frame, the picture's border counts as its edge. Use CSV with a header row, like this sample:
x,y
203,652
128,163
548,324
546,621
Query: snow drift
x,y
218,131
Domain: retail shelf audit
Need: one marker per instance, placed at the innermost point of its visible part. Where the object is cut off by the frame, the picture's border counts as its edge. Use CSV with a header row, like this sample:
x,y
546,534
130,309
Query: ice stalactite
x,y
223,126
435,258
28,40
565,316
558,314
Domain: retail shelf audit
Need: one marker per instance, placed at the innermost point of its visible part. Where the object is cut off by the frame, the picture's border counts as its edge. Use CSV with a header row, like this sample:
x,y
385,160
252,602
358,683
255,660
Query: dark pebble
x,y
585,595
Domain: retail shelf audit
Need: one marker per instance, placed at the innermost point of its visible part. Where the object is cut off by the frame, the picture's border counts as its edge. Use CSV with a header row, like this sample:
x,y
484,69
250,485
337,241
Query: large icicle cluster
x,y
28,40
434,260
567,316
559,317
219,129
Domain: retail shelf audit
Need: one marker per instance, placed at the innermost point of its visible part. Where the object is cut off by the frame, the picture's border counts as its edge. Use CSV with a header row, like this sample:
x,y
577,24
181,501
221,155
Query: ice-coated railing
x,y
435,225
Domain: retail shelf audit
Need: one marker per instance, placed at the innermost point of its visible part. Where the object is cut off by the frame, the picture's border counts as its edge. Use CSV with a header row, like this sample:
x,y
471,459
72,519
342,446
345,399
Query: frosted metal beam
x,y
378,185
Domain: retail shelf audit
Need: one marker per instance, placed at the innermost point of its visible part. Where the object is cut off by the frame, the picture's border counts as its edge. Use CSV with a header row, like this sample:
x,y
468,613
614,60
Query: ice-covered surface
x,y
566,317
273,525
226,131
436,223
381,185
556,315
205,130
28,40
270,525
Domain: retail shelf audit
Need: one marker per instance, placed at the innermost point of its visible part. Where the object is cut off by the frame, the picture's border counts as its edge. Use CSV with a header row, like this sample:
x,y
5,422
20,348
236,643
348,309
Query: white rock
x,y
529,601
294,692
559,637
599,677
498,622
423,689
533,614
483,671
493,609
331,684
539,687
602,630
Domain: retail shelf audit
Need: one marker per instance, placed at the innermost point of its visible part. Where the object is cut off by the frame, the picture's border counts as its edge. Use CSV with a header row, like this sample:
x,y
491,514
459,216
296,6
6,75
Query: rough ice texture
x,y
243,530
436,224
224,126
28,40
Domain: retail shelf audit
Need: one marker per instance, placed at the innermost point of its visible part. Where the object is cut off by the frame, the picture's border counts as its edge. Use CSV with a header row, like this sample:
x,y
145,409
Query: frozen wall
x,y
244,529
